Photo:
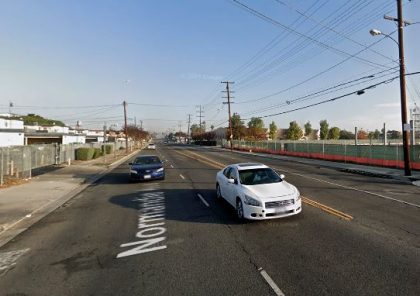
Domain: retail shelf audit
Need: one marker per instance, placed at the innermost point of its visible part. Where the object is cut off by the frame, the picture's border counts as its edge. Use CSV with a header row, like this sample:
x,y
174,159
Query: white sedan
x,y
257,192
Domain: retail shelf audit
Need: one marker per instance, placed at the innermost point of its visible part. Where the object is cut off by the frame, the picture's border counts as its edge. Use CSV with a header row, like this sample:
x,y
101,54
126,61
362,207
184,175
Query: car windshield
x,y
147,160
258,176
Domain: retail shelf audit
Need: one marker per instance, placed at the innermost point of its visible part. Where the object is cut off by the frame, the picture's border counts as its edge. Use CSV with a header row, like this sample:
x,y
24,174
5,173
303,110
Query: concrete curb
x,y
26,222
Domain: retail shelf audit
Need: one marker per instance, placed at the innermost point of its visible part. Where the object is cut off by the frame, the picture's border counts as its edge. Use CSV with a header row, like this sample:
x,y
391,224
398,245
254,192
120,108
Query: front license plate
x,y
280,210
147,176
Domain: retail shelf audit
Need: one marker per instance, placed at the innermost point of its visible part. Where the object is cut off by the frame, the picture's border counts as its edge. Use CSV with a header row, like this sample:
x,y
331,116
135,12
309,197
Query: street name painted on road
x,y
151,224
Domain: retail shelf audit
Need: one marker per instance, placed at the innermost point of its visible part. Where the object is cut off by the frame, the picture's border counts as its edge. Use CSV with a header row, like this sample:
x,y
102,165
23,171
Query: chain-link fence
x,y
19,161
365,152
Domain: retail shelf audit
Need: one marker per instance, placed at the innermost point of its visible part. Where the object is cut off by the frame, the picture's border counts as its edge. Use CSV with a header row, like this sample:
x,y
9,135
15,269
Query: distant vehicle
x,y
257,192
151,146
147,167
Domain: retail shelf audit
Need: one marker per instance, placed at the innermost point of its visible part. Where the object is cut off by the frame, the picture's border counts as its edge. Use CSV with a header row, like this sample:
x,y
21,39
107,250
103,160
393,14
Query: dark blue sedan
x,y
147,167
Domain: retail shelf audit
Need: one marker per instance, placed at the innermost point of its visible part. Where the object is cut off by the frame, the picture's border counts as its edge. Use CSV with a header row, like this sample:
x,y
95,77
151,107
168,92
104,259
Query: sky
x,y
289,60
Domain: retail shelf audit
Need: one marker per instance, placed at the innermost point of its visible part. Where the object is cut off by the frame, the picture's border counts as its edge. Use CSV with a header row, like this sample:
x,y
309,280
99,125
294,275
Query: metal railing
x,y
365,152
19,161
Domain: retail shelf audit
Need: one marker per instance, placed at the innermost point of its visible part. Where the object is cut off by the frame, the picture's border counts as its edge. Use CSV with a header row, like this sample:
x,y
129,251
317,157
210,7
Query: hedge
x,y
84,153
107,149
97,152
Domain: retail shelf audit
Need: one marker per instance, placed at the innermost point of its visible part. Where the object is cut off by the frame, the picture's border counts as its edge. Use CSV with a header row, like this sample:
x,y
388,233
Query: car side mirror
x,y
231,181
282,176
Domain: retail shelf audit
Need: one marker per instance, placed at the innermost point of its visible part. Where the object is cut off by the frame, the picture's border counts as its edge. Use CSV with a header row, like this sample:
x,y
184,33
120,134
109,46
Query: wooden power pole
x,y
228,97
125,126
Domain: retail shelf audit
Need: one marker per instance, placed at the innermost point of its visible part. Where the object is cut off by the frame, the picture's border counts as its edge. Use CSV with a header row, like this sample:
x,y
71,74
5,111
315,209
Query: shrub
x,y
107,149
84,153
97,153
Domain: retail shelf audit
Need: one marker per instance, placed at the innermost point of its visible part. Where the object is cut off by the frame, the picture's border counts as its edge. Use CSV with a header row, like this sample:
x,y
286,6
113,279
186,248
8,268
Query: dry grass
x,y
13,182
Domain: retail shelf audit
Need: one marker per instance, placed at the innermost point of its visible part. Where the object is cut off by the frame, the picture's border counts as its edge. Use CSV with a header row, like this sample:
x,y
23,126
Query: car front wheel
x,y
239,209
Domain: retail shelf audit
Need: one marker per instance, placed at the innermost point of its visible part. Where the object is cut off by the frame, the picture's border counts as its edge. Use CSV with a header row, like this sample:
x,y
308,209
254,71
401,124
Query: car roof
x,y
249,166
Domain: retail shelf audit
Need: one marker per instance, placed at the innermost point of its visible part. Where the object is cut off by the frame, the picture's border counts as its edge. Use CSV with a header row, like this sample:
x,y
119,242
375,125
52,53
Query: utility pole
x,y
188,130
105,128
405,124
125,126
200,112
404,118
228,91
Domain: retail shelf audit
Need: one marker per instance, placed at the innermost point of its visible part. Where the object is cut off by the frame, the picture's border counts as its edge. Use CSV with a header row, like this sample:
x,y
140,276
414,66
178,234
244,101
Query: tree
x,y
362,135
256,128
376,134
294,132
196,130
238,127
346,135
334,133
323,130
273,130
136,133
33,119
393,134
308,128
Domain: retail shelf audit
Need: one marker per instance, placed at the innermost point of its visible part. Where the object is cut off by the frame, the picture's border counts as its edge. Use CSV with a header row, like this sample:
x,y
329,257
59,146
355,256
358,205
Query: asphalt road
x,y
161,238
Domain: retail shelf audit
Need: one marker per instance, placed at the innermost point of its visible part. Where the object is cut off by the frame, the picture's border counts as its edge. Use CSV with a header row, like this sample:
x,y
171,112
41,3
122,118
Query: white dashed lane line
x,y
172,166
270,281
182,177
203,200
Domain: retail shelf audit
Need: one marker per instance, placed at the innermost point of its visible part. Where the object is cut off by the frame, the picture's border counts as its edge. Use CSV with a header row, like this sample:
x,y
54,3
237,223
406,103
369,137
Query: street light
x,y
400,43
375,32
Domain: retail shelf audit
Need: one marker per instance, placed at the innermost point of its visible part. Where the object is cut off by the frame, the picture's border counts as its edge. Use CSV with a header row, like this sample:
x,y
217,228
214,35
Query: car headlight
x,y
297,195
133,171
251,201
159,170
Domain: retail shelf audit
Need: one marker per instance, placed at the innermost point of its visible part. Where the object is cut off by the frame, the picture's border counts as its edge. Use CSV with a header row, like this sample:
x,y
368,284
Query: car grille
x,y
145,172
280,203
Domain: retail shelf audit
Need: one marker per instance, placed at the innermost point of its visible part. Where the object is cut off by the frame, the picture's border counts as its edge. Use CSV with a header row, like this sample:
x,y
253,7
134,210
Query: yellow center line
x,y
327,209
202,159
305,200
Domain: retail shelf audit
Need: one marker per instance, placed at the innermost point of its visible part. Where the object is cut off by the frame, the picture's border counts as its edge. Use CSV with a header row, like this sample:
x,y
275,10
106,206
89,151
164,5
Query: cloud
x,y
388,105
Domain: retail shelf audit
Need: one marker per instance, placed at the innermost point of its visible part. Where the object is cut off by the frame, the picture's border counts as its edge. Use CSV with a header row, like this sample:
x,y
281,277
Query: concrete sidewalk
x,y
23,205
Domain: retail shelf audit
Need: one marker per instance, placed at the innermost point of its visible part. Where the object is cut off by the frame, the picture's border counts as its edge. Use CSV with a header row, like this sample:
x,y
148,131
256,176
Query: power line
x,y
320,43
313,76
318,94
159,105
298,48
358,92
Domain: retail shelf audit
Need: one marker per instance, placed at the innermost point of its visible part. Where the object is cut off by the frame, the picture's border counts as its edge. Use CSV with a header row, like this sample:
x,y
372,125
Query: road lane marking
x,y
182,177
270,281
327,209
8,259
172,166
360,190
198,158
203,200
305,200
150,225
